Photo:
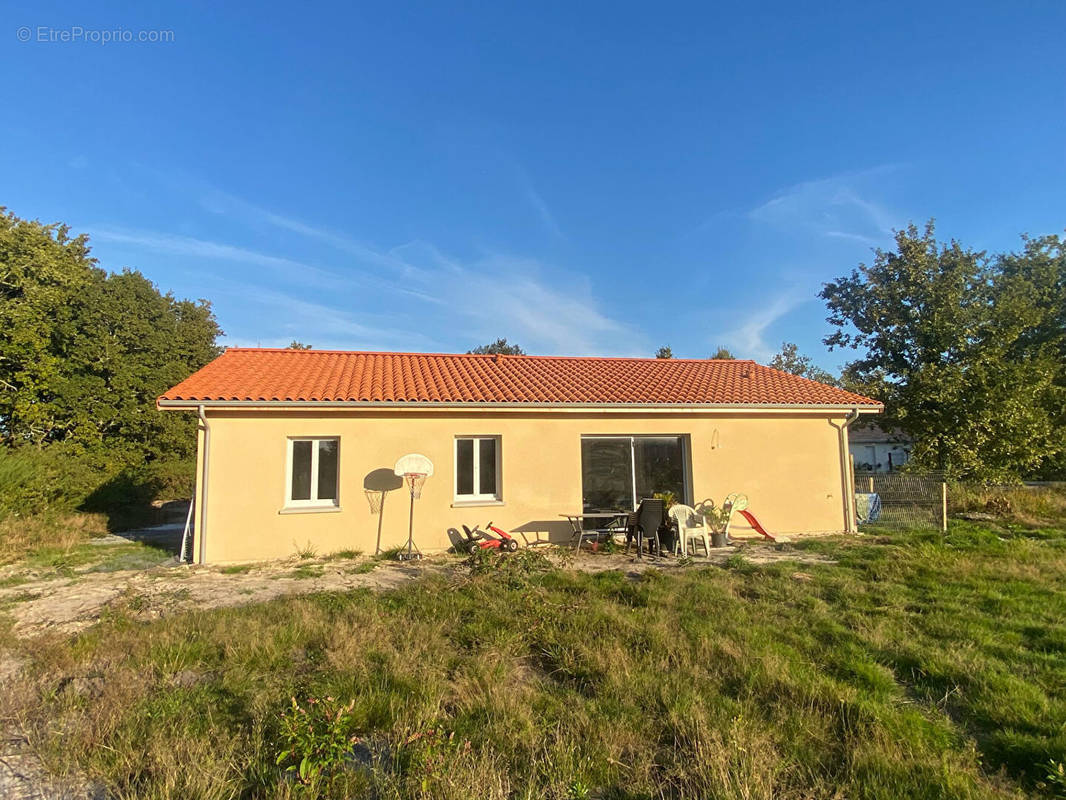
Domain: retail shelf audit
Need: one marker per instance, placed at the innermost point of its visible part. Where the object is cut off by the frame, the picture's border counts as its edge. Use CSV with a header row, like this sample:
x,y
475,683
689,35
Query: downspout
x,y
203,487
845,471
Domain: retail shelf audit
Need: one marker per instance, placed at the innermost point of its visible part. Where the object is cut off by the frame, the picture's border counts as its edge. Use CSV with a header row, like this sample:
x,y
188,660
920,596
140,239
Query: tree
x,y
723,353
961,347
131,344
42,268
297,345
84,354
499,347
790,360
664,352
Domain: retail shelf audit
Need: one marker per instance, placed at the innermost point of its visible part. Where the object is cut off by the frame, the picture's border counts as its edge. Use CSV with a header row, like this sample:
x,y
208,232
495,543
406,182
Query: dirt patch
x,y
22,777
68,606
65,606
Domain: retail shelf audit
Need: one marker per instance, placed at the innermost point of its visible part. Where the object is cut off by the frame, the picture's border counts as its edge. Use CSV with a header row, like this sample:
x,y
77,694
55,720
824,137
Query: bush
x,y
64,478
317,740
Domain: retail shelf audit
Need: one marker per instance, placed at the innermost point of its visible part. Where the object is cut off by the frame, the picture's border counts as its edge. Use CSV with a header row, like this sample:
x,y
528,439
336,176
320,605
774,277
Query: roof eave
x,y
421,405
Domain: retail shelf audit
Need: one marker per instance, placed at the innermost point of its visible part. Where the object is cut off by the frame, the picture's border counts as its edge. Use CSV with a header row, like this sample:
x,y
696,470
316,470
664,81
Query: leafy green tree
x,y
790,360
499,347
298,345
84,353
41,269
664,352
133,343
723,353
948,340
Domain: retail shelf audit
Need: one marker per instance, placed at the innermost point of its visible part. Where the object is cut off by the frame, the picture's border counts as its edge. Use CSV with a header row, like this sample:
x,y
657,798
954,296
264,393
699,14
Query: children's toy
x,y
478,539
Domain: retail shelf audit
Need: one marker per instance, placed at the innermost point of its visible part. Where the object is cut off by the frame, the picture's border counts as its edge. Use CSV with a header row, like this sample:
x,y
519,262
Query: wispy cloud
x,y
205,249
427,295
493,295
549,311
545,214
222,203
748,339
840,206
327,325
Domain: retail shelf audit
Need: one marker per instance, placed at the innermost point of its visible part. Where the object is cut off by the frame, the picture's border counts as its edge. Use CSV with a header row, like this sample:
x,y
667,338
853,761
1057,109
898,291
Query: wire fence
x,y
906,499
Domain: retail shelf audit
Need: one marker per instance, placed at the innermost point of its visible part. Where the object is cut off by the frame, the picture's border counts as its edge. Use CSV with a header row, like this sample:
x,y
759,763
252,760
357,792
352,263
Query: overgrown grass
x,y
1022,505
919,665
26,537
61,544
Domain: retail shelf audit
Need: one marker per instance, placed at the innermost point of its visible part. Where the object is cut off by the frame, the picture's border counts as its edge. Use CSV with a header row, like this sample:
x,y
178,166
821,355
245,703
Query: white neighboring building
x,y
876,450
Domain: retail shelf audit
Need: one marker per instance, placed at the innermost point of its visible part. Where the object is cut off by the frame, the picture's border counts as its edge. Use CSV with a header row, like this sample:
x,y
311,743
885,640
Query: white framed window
x,y
313,472
477,468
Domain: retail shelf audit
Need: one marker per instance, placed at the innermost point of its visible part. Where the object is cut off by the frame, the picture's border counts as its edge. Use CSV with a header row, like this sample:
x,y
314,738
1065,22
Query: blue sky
x,y
596,178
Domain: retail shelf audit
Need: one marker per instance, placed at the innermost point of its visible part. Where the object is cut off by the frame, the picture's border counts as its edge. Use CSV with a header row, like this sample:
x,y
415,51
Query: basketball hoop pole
x,y
414,481
381,518
414,468
411,517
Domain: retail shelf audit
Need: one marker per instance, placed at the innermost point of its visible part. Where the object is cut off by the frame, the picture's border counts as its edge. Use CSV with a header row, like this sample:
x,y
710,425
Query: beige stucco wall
x,y
789,466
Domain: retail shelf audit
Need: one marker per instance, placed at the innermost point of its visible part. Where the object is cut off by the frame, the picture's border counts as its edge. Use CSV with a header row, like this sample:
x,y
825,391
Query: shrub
x,y
514,569
62,478
317,739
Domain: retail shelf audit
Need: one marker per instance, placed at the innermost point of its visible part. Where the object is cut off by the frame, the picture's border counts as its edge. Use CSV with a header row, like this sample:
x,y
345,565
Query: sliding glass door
x,y
618,471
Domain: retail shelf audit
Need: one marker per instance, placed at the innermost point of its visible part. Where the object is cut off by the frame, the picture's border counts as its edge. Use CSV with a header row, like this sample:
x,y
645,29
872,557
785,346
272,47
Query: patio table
x,y
577,523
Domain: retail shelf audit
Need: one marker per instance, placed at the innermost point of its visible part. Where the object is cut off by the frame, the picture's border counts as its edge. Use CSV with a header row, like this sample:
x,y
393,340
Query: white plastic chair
x,y
689,532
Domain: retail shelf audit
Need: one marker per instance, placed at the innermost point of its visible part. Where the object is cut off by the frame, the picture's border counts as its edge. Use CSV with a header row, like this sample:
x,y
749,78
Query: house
x,y
290,442
877,450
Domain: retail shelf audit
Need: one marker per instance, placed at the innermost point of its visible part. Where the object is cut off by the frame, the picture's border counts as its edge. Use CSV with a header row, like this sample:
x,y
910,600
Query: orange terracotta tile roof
x,y
260,374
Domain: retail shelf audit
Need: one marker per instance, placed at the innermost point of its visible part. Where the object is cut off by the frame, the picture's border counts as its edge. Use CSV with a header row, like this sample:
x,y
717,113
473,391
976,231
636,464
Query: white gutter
x,y
845,472
364,405
203,488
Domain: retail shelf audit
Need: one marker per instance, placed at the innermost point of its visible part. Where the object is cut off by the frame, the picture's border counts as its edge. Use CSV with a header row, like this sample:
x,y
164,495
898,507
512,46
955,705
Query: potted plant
x,y
717,519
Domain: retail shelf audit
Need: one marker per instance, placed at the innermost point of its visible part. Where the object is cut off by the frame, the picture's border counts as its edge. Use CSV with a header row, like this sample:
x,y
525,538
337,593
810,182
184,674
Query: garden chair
x,y
691,529
649,516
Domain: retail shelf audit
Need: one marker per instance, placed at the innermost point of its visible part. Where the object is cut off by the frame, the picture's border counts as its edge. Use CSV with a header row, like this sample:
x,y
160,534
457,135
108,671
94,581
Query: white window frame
x,y
313,501
477,498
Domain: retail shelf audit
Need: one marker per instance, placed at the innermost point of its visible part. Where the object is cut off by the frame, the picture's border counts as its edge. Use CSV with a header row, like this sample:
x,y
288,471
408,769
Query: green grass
x,y
237,569
362,568
305,571
919,665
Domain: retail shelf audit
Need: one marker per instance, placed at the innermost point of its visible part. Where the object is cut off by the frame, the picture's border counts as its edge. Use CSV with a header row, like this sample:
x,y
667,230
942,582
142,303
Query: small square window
x,y
314,471
477,468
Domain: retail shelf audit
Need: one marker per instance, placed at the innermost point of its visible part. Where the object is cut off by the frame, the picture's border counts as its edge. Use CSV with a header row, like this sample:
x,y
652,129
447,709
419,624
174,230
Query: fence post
x,y
943,507
870,481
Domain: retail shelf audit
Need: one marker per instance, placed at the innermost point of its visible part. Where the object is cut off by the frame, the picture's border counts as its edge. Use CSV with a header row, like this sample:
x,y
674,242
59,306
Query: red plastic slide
x,y
755,524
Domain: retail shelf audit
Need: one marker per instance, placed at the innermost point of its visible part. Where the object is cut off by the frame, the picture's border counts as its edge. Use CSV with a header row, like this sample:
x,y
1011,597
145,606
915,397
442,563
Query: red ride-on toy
x,y
477,539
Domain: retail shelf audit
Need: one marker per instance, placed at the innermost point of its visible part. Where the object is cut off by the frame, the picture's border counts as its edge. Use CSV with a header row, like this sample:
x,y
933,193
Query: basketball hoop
x,y
414,468
415,481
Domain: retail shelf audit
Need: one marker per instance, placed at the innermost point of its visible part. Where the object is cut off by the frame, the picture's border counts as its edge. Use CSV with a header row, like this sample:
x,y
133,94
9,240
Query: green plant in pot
x,y
717,518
